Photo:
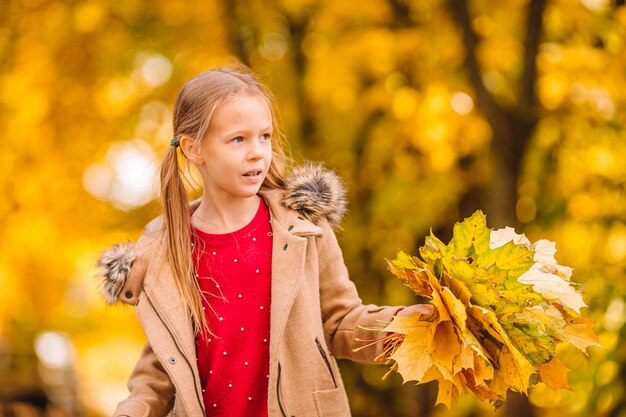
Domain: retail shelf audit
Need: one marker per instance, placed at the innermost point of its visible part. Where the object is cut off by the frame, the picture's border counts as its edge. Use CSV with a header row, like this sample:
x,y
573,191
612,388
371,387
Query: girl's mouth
x,y
253,173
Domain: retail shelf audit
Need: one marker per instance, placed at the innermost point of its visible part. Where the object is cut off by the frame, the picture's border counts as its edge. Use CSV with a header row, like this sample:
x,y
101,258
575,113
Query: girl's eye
x,y
238,139
266,136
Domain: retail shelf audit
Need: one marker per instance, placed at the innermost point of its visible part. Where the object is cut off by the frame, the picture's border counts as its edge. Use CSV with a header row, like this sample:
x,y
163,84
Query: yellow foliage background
x,y
381,90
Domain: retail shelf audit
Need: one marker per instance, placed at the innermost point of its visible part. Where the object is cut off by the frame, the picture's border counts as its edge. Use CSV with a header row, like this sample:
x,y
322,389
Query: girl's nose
x,y
254,151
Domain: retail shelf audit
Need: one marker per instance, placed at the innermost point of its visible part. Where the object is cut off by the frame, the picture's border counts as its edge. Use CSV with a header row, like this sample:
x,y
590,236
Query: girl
x,y
243,294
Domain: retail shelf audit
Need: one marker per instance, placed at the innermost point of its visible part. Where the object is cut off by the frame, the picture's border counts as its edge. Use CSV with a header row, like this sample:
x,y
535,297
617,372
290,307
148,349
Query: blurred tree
x,y
511,125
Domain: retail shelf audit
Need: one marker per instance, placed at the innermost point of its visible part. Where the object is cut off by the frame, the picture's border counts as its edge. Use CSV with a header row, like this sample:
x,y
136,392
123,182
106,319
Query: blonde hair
x,y
193,110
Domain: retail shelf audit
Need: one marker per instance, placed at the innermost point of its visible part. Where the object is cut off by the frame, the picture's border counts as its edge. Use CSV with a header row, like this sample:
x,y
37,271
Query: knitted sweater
x,y
234,272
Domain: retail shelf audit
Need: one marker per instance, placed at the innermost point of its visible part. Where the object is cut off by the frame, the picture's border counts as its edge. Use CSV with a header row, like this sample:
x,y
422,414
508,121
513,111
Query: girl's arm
x,y
342,310
151,390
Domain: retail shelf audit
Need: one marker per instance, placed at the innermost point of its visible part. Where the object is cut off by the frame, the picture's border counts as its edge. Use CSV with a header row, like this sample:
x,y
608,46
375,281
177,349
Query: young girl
x,y
243,294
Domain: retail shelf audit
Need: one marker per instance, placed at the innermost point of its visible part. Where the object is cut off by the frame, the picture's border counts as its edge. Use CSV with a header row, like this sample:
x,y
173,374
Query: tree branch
x,y
527,94
484,98
237,40
298,26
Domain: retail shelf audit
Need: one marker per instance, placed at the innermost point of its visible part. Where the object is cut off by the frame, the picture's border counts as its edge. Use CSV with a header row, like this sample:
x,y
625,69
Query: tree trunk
x,y
512,128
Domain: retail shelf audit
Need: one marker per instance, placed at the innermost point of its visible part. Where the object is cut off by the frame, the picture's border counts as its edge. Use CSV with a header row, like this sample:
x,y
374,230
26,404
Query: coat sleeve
x,y
343,312
151,390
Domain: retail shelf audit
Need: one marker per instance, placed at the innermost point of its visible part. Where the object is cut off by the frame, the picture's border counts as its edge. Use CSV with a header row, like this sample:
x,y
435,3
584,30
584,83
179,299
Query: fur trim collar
x,y
316,193
312,190
115,264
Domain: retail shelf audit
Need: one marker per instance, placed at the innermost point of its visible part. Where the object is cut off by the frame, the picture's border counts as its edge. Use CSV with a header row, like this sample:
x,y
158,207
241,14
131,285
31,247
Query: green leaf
x,y
462,270
471,237
486,259
404,261
530,341
506,309
522,294
484,295
548,318
434,249
512,256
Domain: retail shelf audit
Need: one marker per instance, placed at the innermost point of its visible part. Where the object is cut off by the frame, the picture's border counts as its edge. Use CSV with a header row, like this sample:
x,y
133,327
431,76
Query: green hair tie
x,y
175,143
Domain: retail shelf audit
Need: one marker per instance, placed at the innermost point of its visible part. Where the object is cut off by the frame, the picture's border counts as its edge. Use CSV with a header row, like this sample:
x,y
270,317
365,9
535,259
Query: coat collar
x,y
311,194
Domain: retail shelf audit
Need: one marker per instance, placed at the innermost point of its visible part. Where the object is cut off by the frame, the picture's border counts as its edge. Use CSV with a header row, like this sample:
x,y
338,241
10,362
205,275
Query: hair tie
x,y
175,143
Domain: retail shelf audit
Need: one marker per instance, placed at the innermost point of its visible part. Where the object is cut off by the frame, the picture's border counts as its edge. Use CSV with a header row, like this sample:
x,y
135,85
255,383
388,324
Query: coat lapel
x,y
288,261
287,271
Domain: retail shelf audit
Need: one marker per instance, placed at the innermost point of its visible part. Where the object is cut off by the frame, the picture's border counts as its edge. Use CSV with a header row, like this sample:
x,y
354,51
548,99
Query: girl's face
x,y
237,152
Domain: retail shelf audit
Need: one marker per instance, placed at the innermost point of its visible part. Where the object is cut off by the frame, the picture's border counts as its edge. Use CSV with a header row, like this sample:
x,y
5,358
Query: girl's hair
x,y
194,108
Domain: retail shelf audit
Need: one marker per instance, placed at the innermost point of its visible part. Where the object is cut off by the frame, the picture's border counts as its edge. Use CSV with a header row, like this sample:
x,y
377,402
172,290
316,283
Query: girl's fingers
x,y
421,309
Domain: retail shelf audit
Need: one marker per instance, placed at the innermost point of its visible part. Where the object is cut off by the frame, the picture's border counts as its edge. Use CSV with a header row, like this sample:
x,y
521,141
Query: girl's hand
x,y
426,311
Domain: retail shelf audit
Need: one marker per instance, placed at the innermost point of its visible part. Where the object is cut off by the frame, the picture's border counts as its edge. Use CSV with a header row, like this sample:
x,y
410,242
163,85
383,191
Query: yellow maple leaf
x,y
482,391
458,288
464,360
412,358
406,324
433,374
419,282
579,332
510,361
470,340
487,336
455,307
513,373
554,374
447,394
442,311
413,279
445,344
482,369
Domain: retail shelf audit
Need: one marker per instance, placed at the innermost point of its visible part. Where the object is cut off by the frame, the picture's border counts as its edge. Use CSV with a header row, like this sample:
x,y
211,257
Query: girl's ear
x,y
192,149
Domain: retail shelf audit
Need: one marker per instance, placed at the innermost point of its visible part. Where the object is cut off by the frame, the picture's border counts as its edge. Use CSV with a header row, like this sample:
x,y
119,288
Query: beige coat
x,y
315,313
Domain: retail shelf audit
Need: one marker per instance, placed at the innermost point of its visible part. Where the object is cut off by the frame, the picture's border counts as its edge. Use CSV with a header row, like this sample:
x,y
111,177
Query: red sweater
x,y
234,272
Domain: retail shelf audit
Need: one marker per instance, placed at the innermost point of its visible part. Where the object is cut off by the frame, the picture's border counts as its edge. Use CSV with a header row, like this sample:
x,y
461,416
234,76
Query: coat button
x,y
128,294
173,360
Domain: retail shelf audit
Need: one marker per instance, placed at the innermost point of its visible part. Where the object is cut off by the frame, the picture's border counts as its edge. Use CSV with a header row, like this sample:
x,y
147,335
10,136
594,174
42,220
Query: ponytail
x,y
177,231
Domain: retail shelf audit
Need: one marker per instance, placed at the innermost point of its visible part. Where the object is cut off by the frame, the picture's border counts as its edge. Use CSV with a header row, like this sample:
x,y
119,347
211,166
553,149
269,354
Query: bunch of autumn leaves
x,y
501,304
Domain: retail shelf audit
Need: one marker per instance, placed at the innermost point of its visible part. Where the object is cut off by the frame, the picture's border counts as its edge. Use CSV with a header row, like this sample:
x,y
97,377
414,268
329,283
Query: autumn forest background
x,y
428,109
